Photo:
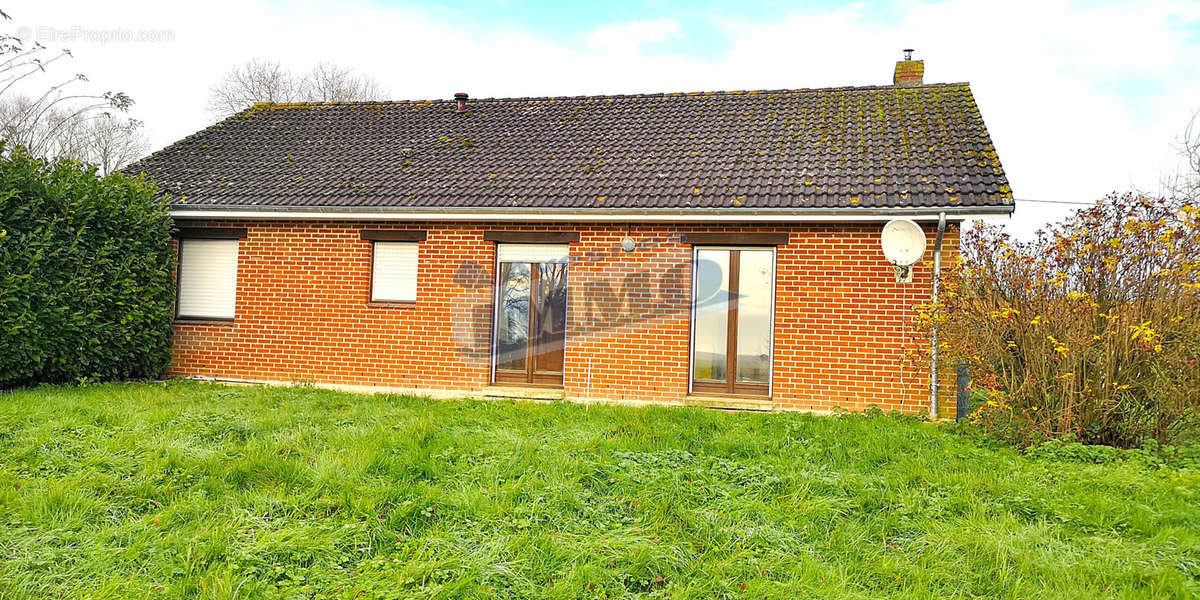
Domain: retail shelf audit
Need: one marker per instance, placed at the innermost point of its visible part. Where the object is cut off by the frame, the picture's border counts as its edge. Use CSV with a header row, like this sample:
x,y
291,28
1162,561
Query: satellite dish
x,y
903,243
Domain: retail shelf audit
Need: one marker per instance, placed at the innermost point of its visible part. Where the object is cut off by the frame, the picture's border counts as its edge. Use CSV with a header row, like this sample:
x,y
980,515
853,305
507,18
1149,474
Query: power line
x,y
1055,202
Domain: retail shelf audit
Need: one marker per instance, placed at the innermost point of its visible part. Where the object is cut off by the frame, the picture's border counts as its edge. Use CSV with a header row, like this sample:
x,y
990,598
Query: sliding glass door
x,y
733,297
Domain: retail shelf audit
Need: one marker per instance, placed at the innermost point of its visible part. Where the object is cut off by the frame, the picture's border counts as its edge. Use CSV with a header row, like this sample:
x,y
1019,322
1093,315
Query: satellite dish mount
x,y
903,243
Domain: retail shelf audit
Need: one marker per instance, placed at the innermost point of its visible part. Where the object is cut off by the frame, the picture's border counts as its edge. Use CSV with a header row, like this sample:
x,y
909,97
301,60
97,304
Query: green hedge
x,y
86,286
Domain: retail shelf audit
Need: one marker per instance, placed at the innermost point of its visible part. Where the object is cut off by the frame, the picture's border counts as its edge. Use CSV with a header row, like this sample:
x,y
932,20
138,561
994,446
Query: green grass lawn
x,y
202,491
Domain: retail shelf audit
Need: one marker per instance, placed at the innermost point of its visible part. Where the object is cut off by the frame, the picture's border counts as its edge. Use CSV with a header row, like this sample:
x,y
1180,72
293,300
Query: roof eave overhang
x,y
708,215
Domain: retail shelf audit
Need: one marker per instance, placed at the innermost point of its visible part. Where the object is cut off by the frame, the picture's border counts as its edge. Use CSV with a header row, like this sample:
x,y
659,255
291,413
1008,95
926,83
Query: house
x,y
716,248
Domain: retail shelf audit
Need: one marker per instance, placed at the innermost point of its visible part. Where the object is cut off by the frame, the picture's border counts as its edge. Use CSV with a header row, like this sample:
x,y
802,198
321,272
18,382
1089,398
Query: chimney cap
x,y
908,53
460,96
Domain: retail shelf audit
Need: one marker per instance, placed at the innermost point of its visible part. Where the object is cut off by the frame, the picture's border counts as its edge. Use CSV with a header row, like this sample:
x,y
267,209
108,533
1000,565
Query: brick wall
x,y
303,314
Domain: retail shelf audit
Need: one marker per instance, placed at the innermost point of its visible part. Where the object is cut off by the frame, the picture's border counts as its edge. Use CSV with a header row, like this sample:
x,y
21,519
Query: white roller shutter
x,y
532,253
208,278
395,275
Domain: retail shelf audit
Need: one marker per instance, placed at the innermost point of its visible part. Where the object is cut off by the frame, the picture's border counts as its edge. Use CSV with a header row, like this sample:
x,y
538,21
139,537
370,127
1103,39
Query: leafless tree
x,y
50,123
110,142
51,133
328,82
1184,182
254,81
99,138
1189,147
268,81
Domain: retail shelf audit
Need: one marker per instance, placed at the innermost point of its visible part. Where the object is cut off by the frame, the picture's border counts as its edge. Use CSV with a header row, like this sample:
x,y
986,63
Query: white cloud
x,y
627,37
1080,100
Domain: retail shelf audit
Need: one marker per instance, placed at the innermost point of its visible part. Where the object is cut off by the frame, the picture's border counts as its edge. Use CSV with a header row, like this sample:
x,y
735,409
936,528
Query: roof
x,y
853,148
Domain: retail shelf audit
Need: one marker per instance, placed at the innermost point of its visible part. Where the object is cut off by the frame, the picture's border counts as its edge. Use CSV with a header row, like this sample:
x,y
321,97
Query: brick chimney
x,y
909,72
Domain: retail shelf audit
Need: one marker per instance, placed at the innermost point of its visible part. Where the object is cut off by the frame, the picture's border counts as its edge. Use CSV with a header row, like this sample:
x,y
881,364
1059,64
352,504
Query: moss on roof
x,y
849,147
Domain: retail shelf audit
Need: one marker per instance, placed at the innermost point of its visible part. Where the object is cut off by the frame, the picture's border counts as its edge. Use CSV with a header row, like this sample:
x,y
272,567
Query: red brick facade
x,y
304,315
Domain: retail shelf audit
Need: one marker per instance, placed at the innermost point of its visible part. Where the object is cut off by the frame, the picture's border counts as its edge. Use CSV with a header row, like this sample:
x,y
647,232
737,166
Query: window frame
x,y
234,234
371,299
730,387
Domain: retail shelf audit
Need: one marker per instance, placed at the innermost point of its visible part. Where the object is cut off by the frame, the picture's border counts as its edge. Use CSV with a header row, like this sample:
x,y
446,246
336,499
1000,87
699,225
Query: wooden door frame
x,y
730,387
531,377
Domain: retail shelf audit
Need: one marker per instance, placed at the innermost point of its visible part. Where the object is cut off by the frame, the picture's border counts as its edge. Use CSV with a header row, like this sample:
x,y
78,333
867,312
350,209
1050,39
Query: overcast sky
x,y
1080,98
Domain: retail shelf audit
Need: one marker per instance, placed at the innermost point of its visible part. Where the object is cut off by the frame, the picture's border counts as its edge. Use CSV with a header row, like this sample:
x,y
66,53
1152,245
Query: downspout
x,y
933,338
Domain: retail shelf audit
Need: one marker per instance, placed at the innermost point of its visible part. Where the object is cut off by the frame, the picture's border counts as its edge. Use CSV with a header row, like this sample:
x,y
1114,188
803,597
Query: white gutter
x,y
933,354
699,215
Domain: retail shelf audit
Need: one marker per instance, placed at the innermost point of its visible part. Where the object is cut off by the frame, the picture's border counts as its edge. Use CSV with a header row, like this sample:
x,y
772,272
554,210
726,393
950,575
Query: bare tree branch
x,y
268,81
110,143
254,81
328,82
60,122
1184,183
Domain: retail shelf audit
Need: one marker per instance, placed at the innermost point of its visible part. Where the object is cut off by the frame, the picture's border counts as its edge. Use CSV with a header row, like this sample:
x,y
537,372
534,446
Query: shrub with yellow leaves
x,y
1091,330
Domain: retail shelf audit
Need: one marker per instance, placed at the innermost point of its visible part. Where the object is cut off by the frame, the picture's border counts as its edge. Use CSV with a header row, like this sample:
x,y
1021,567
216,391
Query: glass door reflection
x,y
733,301
531,323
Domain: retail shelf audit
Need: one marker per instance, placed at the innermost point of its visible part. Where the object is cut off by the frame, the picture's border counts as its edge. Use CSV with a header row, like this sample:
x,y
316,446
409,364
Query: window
x,y
733,298
394,274
207,278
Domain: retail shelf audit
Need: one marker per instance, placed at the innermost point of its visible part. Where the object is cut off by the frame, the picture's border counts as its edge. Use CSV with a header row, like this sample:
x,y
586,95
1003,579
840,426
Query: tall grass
x,y
186,490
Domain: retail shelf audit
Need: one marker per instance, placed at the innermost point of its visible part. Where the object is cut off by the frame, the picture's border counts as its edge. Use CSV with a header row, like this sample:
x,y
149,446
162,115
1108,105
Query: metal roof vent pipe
x,y
461,99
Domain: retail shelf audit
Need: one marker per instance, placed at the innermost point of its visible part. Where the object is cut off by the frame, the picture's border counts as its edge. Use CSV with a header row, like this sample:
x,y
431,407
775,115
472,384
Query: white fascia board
x,y
695,215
